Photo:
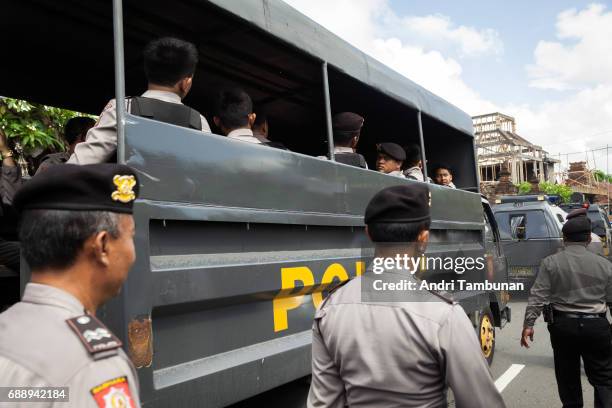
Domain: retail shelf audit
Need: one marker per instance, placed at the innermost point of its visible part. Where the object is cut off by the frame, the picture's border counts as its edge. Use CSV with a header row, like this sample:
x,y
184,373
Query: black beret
x,y
577,223
393,150
93,187
398,204
347,122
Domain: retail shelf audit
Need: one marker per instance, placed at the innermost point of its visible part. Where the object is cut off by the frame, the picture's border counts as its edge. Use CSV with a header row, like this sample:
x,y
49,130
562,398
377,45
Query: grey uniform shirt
x,y
340,149
101,141
572,280
396,354
414,173
38,348
397,173
244,135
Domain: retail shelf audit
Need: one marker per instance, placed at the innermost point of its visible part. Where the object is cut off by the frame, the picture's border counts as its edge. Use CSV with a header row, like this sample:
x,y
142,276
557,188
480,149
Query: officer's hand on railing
x,y
527,332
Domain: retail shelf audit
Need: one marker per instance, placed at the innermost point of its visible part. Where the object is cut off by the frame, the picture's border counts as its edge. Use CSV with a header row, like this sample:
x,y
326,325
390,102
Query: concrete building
x,y
501,150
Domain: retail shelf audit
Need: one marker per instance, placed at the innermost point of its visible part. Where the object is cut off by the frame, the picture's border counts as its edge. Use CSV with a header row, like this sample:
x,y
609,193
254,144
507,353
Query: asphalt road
x,y
528,373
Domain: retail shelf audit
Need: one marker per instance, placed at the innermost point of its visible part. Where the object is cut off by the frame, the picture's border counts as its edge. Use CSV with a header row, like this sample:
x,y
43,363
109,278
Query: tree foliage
x,y
33,125
561,190
546,187
524,187
601,176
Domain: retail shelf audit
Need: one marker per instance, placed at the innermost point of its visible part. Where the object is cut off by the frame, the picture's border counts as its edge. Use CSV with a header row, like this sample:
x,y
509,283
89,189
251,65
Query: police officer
x,y
390,159
574,286
414,163
346,127
371,352
169,65
77,237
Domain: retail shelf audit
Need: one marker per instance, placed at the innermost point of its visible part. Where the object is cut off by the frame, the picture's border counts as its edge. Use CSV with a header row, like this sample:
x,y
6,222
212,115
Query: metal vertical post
x,y
422,142
608,185
328,118
119,78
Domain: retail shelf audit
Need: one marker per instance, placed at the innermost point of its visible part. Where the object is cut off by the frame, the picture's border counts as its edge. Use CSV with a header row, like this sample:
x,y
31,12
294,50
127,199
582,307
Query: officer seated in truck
x,y
346,127
413,163
234,115
169,65
261,130
390,159
443,175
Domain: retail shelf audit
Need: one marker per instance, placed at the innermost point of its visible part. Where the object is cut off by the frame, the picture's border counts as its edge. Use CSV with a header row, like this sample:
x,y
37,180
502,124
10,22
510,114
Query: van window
x,y
518,227
536,225
533,223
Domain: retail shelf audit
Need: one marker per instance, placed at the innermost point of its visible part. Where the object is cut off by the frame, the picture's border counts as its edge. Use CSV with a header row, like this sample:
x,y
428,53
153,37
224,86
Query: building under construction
x,y
506,156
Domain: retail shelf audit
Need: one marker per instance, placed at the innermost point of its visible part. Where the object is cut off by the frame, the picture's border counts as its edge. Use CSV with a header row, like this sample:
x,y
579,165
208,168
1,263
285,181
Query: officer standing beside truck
x,y
77,234
573,288
375,353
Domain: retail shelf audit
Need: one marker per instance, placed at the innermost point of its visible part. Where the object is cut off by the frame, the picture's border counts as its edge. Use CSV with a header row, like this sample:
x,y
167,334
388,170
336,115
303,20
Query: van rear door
x,y
526,240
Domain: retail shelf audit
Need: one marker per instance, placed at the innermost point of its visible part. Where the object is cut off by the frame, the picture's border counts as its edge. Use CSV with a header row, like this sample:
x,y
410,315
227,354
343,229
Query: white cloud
x,y
418,47
582,121
396,41
440,30
582,58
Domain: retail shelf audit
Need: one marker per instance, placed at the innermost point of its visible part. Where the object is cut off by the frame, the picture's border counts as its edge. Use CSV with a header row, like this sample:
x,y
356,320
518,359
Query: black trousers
x,y
590,339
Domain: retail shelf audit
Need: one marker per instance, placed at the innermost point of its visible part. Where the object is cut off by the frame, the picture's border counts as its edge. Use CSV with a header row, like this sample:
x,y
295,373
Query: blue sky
x,y
547,63
521,25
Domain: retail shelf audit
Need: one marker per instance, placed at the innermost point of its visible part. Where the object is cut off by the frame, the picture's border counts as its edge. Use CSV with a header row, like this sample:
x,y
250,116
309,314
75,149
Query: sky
x,y
548,63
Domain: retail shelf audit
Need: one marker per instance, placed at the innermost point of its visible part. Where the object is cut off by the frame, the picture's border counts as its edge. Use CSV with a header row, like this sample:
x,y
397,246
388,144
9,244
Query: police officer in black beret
x,y
77,235
401,354
390,159
346,127
574,288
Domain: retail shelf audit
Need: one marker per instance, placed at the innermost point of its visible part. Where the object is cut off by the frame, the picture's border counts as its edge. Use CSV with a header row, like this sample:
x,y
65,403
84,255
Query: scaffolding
x,y
499,145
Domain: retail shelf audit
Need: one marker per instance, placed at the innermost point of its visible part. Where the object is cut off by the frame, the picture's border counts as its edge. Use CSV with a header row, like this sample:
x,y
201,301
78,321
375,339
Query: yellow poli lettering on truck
x,y
286,300
333,271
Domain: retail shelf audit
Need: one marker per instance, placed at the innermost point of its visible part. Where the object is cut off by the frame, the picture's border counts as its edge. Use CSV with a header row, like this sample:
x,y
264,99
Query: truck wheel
x,y
486,334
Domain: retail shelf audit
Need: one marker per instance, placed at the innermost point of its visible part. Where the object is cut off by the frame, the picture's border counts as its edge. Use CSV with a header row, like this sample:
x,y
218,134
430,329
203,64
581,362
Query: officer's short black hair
x,y
413,155
54,238
397,232
445,166
76,128
168,60
233,107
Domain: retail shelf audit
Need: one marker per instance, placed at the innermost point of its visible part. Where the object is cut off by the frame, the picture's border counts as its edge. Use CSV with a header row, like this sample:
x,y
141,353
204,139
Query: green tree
x,y
33,125
601,176
561,190
524,187
548,188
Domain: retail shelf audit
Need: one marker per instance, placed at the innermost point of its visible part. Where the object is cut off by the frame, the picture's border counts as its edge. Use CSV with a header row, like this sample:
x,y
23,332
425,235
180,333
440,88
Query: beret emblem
x,y
125,188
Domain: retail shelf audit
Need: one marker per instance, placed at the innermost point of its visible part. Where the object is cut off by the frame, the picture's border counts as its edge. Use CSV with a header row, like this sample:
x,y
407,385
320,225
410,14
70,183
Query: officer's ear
x,y
251,117
368,233
423,237
185,85
100,247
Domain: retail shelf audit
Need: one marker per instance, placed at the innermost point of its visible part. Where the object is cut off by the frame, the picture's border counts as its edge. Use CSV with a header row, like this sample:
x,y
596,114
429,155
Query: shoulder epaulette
x,y
99,341
333,289
446,297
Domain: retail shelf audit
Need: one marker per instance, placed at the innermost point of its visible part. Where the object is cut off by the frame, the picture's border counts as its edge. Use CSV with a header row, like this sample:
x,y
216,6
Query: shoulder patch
x,y
445,296
99,341
332,290
114,393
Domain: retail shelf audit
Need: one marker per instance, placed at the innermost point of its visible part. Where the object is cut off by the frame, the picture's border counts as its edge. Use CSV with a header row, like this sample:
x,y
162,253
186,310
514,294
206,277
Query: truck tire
x,y
486,334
